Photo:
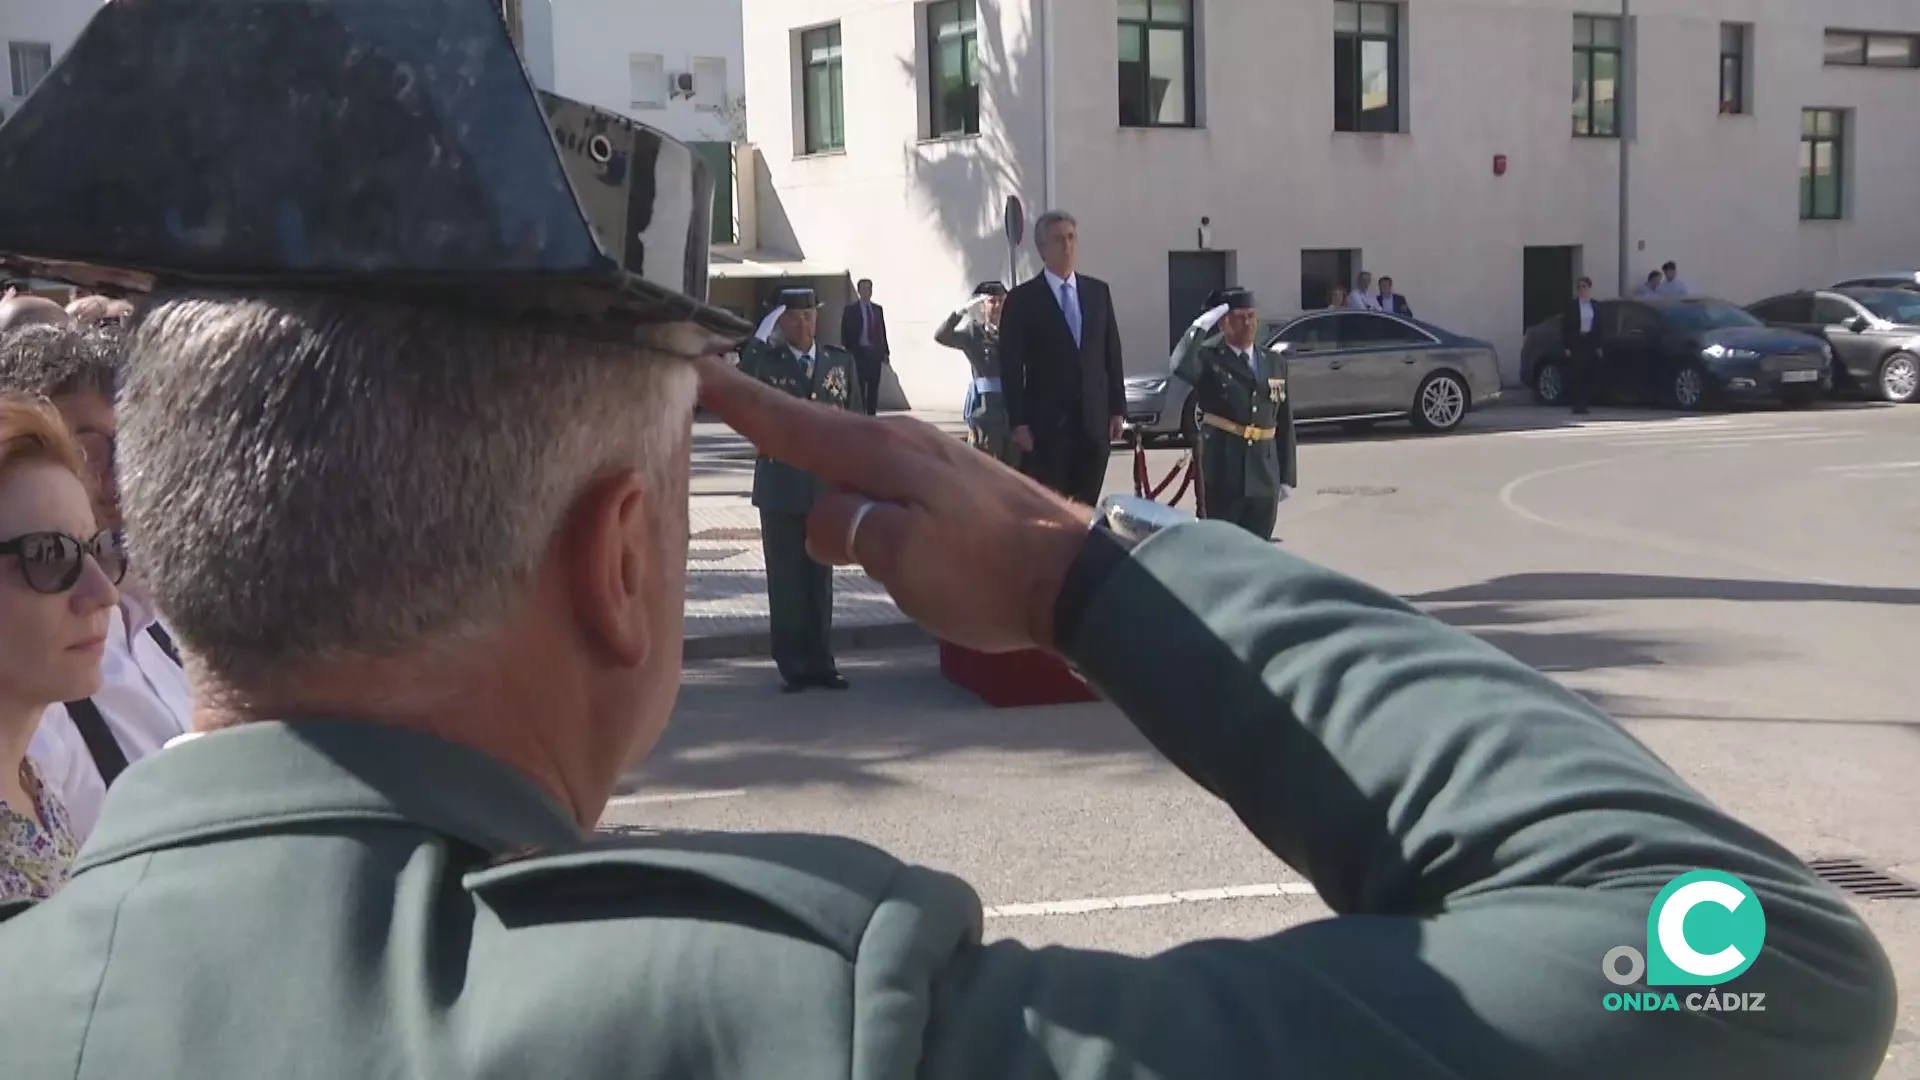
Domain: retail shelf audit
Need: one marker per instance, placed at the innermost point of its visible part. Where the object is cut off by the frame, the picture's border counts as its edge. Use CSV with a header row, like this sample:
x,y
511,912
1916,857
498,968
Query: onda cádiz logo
x,y
1704,929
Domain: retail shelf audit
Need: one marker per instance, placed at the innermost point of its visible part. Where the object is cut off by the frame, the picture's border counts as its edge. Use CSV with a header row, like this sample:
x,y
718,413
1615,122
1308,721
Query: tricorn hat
x,y
396,149
990,288
798,299
1236,298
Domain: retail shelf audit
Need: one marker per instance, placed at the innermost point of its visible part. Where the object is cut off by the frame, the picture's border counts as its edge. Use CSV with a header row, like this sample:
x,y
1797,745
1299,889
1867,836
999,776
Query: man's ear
x,y
605,558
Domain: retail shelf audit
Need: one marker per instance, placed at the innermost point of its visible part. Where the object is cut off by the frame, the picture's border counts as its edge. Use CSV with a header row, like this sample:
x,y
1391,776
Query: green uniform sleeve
x,y
1187,361
1485,834
950,333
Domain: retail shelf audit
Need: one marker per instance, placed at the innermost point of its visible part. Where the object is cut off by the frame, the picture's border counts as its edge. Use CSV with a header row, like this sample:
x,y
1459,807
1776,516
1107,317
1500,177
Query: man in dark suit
x,y
863,332
1060,366
1580,340
1392,302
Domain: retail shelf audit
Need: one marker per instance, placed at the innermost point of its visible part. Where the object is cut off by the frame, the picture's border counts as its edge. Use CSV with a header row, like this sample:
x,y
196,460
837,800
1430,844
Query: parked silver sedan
x,y
1352,367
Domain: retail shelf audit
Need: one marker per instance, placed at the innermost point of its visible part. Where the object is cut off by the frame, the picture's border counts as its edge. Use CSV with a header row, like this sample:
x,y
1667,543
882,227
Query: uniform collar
x,y
276,775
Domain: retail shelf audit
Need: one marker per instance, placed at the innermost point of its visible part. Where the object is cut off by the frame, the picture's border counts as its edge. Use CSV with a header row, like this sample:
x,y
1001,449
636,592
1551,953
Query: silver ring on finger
x,y
853,528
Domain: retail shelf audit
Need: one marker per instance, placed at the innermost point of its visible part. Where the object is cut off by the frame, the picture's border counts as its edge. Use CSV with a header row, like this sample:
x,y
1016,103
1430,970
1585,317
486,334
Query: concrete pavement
x,y
1739,589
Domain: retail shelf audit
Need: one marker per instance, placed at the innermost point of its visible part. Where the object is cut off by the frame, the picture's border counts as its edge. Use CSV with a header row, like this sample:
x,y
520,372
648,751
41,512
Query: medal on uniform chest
x,y
1277,388
835,384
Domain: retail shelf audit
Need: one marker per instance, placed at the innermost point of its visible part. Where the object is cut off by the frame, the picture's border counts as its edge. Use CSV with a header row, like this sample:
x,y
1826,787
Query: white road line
x,y
674,797
1871,466
1148,900
1727,437
1629,427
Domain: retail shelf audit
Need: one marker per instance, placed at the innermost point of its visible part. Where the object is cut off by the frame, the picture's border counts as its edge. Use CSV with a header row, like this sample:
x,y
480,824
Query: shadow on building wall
x,y
963,182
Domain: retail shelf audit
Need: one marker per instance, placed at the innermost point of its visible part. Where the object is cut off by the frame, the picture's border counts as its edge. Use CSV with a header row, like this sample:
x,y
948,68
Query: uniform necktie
x,y
1070,307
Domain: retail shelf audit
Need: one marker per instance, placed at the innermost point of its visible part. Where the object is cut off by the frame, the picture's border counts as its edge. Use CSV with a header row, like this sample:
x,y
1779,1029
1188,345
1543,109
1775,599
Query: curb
x,y
846,639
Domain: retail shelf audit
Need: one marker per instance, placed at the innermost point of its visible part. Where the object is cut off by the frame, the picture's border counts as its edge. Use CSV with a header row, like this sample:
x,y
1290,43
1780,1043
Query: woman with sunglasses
x,y
58,573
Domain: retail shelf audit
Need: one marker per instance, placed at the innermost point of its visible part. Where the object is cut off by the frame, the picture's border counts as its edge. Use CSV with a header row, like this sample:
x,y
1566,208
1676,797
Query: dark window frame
x,y
1357,40
1853,308
1189,35
1346,262
1862,55
834,140
1781,301
39,50
1810,141
1588,53
1733,68
1405,333
965,16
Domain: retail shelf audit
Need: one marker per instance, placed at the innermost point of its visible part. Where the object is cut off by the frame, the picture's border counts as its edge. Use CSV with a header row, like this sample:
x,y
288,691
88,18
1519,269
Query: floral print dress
x,y
34,861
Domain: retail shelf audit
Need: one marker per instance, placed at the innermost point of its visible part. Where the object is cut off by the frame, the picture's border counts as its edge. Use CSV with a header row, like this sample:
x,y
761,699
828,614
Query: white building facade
x,y
37,33
1284,146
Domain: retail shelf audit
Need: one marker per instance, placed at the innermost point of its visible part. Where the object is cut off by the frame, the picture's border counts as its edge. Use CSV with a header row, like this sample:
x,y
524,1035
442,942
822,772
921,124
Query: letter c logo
x,y
1727,930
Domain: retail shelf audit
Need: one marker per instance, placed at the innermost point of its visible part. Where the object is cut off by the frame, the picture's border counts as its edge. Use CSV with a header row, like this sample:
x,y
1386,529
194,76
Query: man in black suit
x,y
1392,302
863,332
1060,366
1580,339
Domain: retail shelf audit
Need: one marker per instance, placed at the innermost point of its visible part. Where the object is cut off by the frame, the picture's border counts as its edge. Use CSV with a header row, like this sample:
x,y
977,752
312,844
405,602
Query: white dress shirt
x,y
143,698
1363,301
1586,316
1676,287
1054,281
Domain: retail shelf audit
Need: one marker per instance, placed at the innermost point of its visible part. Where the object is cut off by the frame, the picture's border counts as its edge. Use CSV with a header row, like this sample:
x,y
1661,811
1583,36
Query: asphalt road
x,y
1742,590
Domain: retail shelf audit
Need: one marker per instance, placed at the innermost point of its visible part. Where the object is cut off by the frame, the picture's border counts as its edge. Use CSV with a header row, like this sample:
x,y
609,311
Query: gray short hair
x,y
53,359
308,477
1047,221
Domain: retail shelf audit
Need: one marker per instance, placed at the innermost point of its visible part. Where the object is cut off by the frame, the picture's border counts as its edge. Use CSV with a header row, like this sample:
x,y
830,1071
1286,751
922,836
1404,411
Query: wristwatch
x,y
1119,524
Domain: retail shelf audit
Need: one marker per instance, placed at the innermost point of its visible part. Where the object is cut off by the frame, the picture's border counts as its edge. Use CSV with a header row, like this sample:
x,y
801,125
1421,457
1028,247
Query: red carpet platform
x,y
1013,680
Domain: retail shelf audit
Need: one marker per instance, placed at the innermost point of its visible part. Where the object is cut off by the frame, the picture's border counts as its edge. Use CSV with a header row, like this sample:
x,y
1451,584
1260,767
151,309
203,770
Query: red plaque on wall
x,y
1013,680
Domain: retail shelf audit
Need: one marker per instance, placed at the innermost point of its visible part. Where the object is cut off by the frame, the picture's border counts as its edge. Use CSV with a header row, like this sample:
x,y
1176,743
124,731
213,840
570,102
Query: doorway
x,y
1547,276
1323,268
1191,276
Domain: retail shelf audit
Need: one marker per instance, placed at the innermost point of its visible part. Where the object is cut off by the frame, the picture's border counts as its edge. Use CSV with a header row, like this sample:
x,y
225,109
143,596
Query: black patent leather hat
x,y
393,148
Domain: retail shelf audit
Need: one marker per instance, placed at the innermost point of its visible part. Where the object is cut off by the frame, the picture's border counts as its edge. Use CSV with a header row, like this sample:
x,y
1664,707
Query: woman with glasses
x,y
58,573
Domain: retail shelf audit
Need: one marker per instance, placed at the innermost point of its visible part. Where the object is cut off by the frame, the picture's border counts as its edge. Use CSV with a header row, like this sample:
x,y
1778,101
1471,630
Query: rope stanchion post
x,y
1187,472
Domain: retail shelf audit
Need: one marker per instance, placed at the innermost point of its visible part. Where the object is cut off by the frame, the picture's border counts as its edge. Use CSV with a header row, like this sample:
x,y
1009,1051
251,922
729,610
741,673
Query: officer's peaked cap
x,y
389,147
1236,299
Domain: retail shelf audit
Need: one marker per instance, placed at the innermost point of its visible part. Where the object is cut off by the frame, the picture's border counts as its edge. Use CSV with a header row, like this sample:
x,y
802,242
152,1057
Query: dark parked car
x,y
1875,335
1898,279
1684,352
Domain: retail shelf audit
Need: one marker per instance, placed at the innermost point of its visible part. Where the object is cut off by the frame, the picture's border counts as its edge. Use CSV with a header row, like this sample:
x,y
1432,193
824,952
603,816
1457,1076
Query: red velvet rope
x,y
1187,471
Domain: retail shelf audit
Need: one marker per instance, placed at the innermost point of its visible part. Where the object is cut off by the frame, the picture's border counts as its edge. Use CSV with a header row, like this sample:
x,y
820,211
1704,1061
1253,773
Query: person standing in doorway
x,y
1651,286
1061,371
975,330
1580,339
1246,448
863,331
787,355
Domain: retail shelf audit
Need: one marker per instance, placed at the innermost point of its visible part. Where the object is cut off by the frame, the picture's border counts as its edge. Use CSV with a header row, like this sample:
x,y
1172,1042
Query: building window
x,y
1596,75
824,115
647,80
1156,63
719,159
1823,163
30,61
1733,68
1856,48
1323,268
953,68
1366,66
710,83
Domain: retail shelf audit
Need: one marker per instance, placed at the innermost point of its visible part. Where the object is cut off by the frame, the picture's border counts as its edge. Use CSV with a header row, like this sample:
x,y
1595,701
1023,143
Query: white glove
x,y
765,332
978,303
1212,318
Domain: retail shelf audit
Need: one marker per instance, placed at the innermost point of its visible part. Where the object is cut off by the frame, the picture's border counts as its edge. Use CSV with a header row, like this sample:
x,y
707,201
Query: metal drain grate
x,y
1355,490
1852,876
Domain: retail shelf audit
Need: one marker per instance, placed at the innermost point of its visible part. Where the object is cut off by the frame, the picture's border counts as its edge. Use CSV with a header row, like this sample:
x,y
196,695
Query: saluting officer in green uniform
x,y
1247,453
788,355
425,555
975,330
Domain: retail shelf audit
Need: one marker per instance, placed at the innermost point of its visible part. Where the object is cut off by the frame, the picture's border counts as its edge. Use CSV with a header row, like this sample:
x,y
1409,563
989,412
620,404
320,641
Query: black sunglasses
x,y
51,562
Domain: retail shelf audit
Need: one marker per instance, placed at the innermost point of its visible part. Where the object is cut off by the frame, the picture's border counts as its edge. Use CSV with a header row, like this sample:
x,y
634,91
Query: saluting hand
x,y
970,549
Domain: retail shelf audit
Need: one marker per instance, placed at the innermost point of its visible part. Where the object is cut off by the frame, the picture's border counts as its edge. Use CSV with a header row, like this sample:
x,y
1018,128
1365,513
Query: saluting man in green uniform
x,y
1248,458
787,355
975,330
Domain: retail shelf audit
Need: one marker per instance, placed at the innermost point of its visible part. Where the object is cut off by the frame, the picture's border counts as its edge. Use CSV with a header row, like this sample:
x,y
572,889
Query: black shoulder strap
x,y
107,755
165,641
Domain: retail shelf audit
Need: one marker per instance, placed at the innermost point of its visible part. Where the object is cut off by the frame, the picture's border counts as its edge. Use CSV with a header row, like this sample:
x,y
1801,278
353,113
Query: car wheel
x,y
1899,378
1190,423
1550,383
1689,388
1440,404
